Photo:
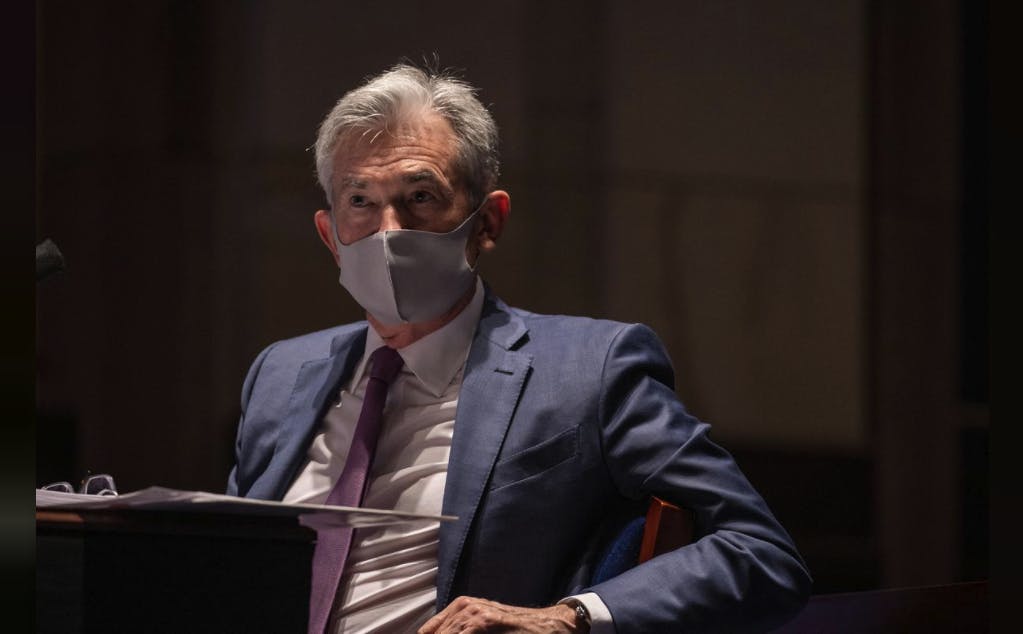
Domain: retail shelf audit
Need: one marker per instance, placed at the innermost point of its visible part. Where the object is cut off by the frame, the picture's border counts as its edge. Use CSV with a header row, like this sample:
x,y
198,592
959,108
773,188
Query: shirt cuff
x,y
600,617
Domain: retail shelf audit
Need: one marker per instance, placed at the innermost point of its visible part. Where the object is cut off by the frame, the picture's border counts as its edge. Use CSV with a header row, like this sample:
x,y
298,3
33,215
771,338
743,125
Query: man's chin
x,y
402,334
385,330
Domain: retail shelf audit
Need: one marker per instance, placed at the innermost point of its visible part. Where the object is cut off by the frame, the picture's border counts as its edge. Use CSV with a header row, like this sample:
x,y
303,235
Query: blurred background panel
x,y
790,193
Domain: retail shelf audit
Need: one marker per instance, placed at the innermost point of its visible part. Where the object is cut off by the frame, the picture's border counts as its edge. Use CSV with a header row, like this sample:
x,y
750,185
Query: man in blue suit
x,y
542,434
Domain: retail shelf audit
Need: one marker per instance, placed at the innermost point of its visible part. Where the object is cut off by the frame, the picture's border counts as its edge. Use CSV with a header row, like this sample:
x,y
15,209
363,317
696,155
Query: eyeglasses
x,y
99,484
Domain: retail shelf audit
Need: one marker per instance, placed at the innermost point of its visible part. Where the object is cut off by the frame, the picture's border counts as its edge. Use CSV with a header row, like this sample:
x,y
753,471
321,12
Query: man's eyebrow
x,y
421,175
354,183
427,176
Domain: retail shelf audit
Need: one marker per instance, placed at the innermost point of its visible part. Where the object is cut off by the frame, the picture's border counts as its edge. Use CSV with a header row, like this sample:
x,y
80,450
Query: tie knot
x,y
385,363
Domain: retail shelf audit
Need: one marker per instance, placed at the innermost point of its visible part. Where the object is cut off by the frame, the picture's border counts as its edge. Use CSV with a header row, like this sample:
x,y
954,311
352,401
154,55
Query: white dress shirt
x,y
389,581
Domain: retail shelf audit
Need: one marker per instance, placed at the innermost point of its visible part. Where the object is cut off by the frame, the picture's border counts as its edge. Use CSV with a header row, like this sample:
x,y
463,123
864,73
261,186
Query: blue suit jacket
x,y
564,428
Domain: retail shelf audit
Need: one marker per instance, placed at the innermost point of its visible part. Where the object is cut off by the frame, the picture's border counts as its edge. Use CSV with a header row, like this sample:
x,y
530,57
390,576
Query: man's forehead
x,y
422,152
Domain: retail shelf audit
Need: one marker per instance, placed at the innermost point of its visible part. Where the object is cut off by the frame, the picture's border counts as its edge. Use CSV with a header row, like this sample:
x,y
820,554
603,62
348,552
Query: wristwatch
x,y
582,615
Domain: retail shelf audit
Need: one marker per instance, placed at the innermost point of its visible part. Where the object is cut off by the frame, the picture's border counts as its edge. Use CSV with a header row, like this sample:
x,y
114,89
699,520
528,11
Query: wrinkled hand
x,y
468,614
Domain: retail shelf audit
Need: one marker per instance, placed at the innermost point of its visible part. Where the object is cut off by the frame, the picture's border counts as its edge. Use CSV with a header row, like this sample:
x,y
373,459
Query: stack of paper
x,y
160,498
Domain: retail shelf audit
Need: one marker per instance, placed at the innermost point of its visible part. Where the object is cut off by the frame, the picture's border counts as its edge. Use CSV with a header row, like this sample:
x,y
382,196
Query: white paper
x,y
161,498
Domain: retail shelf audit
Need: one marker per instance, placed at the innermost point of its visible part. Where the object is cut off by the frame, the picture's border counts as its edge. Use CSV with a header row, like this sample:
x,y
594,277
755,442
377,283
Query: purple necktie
x,y
332,544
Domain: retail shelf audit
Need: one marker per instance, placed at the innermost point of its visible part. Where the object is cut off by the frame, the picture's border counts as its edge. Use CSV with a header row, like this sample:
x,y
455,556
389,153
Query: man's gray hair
x,y
387,99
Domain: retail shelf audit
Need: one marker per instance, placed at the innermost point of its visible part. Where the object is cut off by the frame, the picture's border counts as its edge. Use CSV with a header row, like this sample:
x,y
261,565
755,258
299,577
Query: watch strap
x,y
582,615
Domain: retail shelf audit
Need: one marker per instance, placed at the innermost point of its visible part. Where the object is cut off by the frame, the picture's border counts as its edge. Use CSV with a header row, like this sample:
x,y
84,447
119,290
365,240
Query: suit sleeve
x,y
743,573
250,380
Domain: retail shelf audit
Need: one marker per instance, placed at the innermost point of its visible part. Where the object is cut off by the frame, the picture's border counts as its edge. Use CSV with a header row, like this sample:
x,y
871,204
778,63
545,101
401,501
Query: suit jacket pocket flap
x,y
536,459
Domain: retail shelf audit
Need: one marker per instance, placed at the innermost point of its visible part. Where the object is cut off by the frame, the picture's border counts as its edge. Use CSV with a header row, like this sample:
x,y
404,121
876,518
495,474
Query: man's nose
x,y
389,219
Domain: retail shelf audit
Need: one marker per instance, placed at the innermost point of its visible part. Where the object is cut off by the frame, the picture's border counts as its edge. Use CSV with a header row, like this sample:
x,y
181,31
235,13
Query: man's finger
x,y
467,614
434,624
480,616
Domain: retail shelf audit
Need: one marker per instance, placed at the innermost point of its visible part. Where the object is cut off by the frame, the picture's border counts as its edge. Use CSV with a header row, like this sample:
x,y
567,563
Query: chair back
x,y
664,527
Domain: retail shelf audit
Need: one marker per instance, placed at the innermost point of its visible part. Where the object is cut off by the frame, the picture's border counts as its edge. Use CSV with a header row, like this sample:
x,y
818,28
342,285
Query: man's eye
x,y
358,201
422,197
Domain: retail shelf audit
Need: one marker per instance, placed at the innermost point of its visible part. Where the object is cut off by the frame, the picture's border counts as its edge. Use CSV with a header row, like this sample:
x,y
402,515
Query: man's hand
x,y
468,614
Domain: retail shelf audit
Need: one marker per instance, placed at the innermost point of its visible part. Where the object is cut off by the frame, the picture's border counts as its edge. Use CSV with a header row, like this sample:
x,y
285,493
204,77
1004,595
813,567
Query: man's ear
x,y
493,215
325,228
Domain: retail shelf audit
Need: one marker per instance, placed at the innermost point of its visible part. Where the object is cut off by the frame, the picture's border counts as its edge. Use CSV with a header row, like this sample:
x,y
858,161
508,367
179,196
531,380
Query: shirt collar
x,y
436,358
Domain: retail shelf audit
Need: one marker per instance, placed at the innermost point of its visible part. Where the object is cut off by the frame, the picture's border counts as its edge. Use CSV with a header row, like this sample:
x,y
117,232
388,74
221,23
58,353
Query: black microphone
x,y
48,259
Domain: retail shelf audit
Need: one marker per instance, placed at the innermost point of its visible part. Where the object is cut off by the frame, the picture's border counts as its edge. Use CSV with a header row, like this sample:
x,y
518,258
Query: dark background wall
x,y
791,194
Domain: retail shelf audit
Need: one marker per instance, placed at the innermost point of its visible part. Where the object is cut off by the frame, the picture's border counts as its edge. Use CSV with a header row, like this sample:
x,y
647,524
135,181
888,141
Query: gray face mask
x,y
405,275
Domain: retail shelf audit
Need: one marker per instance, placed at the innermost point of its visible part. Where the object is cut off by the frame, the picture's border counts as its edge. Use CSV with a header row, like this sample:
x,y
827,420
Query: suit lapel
x,y
316,386
494,377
